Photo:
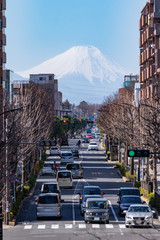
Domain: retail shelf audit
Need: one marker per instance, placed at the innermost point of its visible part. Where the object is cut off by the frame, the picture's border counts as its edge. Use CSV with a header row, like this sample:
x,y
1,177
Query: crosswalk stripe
x,y
95,226
109,225
122,226
27,226
55,226
68,225
82,225
41,226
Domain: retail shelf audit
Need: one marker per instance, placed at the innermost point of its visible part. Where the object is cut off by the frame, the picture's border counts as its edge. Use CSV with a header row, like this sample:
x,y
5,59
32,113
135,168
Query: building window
x,y
50,77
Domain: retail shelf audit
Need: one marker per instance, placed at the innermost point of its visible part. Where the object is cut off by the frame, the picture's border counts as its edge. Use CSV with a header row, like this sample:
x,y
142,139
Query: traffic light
x,y
138,153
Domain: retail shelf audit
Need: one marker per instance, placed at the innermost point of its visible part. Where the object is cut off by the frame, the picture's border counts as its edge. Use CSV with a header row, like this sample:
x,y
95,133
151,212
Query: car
x,y
92,146
51,187
76,169
85,140
55,150
97,210
64,178
97,135
126,201
48,168
90,190
139,215
66,157
48,205
88,130
128,191
89,136
83,203
93,135
75,153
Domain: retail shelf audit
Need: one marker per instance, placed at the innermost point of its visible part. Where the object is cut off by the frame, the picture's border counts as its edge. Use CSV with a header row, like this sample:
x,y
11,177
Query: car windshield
x,y
93,144
64,175
73,167
50,188
130,192
131,200
48,165
86,197
88,191
48,199
139,209
66,154
97,204
74,151
54,148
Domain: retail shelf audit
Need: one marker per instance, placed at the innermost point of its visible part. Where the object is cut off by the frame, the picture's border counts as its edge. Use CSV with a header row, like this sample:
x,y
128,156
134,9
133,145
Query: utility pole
x,y
7,202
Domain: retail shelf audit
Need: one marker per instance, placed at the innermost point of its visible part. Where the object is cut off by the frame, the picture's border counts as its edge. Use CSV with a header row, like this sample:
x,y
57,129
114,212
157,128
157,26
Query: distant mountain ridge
x,y
79,64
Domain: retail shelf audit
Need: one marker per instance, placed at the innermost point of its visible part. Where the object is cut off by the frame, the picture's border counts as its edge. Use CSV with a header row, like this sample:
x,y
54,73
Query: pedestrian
x,y
56,166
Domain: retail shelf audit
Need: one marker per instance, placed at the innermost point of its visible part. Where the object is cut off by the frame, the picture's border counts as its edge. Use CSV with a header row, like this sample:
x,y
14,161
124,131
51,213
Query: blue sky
x,y
38,30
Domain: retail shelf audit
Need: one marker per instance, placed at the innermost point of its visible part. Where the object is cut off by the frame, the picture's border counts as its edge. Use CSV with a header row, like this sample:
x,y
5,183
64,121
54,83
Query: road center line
x,y
73,210
115,216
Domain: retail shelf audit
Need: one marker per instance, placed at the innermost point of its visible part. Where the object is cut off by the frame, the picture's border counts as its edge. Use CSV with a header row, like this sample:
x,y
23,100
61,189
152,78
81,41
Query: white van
x,y
64,179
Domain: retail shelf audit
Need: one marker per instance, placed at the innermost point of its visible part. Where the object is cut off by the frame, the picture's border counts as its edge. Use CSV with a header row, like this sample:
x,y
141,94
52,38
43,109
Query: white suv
x,y
92,146
66,157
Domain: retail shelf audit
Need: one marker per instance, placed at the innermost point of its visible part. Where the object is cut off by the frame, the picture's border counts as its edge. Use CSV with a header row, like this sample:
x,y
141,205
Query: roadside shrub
x,y
129,176
118,165
15,208
144,192
20,197
26,190
151,198
137,184
11,216
123,170
32,180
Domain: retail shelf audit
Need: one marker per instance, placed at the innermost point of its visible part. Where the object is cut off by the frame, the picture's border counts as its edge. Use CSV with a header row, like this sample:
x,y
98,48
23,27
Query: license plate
x,y
63,180
96,218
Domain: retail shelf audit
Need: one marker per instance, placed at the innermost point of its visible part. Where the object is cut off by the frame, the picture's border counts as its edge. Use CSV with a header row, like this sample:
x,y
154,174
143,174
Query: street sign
x,y
12,177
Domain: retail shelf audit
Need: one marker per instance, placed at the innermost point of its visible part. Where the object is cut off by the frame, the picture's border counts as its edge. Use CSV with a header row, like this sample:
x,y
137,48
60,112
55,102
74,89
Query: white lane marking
x,y
73,210
122,226
68,225
115,216
82,225
55,226
109,225
27,226
41,226
95,226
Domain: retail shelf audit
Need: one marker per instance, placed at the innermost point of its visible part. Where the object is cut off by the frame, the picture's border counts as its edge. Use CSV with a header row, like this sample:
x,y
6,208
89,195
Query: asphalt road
x,y
72,226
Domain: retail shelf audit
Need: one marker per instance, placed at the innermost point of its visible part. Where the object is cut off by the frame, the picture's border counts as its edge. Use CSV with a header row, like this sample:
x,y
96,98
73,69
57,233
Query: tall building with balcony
x,y
149,43
2,62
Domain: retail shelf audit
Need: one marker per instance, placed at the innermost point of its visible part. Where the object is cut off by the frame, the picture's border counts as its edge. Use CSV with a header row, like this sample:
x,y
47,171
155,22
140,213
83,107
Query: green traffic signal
x,y
131,153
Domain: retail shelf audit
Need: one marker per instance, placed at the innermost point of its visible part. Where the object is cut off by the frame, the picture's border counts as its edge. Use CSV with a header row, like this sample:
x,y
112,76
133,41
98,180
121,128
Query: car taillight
x,y
57,179
38,200
80,198
71,179
79,170
44,167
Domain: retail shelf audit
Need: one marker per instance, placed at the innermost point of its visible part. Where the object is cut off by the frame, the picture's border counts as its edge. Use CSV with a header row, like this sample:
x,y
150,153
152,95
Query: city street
x,y
97,171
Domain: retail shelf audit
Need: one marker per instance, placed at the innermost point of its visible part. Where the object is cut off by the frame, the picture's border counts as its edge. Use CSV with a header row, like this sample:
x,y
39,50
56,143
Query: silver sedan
x,y
139,215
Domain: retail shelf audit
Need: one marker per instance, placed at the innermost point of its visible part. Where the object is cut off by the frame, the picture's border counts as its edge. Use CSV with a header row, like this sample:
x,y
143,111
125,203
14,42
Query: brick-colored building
x,y
149,43
2,62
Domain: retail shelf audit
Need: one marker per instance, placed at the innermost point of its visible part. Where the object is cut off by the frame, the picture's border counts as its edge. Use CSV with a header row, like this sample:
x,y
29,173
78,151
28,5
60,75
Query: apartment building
x,y
49,82
2,61
149,43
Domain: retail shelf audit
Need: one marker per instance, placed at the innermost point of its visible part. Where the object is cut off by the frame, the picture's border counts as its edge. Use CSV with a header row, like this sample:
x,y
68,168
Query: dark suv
x,y
123,191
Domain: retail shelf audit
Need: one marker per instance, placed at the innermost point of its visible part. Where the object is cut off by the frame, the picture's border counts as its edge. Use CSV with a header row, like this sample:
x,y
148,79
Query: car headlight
x,y
129,217
104,214
148,217
88,213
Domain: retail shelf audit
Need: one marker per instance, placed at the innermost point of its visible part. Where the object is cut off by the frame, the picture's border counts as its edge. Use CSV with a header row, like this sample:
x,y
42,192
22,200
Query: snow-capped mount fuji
x,y
83,66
